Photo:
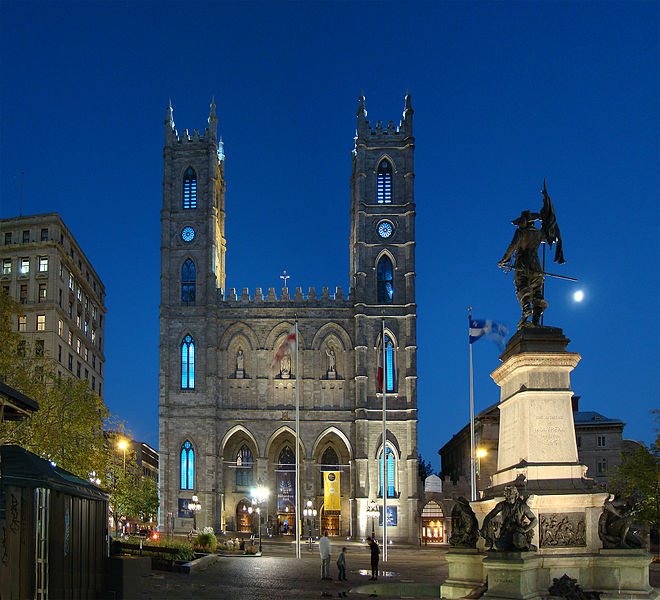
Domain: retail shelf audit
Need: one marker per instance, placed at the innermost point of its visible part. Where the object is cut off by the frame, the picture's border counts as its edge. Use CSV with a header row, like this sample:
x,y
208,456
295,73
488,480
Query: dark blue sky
x,y
504,93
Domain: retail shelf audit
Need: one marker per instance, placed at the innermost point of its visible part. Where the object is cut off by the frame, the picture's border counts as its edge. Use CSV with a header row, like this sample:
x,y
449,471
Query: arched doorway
x,y
285,475
244,520
331,486
433,523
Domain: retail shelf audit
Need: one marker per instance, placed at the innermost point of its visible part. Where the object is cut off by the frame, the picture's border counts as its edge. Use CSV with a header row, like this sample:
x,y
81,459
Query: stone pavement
x,y
278,575
411,572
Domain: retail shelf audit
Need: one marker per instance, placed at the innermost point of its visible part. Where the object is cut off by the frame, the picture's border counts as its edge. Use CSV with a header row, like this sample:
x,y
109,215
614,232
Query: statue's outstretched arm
x,y
510,250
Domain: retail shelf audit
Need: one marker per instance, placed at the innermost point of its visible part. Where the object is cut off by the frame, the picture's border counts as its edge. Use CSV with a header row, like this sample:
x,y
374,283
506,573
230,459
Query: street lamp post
x,y
309,512
373,513
194,507
481,453
259,494
122,445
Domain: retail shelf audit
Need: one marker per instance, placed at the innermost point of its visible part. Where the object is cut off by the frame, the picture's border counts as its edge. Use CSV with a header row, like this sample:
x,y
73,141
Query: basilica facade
x,y
227,408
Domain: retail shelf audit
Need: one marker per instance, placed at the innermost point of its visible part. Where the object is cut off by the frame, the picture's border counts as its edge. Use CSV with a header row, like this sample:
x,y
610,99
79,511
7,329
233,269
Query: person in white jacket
x,y
326,555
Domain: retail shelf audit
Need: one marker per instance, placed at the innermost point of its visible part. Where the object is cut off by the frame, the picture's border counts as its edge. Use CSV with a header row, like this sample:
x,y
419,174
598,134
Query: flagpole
x,y
297,492
473,475
384,350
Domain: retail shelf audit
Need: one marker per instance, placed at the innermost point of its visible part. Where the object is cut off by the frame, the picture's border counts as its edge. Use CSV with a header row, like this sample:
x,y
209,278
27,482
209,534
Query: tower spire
x,y
170,131
212,127
362,123
408,111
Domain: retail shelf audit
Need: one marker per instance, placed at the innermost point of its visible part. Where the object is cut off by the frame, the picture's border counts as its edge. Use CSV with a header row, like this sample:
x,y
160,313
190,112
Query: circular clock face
x,y
385,229
188,234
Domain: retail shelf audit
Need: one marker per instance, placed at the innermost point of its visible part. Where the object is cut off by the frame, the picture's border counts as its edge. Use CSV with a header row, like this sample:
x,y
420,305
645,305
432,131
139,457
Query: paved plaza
x,y
411,572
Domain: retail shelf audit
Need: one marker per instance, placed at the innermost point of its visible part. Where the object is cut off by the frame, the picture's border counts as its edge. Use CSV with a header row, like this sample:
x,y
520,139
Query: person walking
x,y
341,565
326,554
375,557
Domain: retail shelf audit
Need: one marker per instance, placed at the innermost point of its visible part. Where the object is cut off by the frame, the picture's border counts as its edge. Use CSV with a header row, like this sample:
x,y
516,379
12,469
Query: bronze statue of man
x,y
522,256
518,523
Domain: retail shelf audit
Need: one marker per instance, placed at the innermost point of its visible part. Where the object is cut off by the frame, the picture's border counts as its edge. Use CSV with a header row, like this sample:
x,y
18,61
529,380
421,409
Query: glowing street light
x,y
310,513
373,513
480,453
259,494
194,507
122,445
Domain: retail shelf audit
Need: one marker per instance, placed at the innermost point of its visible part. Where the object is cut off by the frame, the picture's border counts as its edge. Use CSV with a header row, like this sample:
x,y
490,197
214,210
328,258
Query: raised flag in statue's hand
x,y
489,329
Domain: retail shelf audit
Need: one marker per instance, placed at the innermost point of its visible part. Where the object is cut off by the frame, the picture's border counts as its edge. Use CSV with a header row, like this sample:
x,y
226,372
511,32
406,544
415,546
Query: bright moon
x,y
578,296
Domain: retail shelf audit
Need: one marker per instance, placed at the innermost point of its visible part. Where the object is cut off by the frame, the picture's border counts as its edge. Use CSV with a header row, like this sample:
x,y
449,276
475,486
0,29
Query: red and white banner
x,y
287,346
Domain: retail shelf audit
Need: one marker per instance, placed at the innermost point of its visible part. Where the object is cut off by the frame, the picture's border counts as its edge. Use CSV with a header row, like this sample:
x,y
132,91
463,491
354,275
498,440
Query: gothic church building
x,y
227,412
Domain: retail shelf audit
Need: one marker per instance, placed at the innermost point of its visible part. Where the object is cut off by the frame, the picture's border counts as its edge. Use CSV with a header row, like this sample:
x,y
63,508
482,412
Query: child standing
x,y
341,565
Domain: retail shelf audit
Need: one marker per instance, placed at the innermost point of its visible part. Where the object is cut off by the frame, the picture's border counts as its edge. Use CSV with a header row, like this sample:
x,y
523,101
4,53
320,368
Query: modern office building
x,y
62,297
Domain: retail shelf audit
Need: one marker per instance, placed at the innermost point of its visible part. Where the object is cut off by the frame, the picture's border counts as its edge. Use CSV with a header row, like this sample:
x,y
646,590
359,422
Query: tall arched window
x,y
384,182
390,370
285,476
391,473
385,280
244,464
329,462
188,363
188,282
190,188
187,466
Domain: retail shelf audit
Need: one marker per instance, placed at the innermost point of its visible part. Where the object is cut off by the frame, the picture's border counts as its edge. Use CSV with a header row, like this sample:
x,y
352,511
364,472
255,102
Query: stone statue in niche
x,y
518,522
615,522
285,366
332,360
240,363
465,528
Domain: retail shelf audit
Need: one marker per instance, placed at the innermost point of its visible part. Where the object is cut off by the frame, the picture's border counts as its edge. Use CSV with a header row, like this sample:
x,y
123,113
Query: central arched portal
x,y
285,481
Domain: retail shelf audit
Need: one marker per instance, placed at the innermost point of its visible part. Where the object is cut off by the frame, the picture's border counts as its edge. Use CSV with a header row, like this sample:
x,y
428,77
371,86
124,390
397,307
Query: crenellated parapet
x,y
232,297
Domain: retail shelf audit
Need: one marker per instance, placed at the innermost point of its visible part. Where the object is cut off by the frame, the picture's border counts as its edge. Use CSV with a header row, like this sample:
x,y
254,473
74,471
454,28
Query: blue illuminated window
x,y
391,472
188,363
244,464
385,281
187,466
384,182
389,365
188,282
190,188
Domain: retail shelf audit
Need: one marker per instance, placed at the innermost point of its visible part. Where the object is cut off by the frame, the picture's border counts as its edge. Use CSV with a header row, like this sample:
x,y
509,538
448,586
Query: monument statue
x,y
518,522
614,524
522,256
240,361
464,525
285,366
332,358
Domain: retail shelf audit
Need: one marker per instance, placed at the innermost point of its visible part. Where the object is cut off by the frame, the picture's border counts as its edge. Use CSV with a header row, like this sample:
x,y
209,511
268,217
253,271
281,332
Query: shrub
x,y
206,540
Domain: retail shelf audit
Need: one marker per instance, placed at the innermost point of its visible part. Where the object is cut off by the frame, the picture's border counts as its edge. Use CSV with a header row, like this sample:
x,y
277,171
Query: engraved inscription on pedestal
x,y
563,530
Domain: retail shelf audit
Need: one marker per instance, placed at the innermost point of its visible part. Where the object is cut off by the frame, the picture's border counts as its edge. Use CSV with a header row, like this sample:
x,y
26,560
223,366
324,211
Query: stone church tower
x,y
227,411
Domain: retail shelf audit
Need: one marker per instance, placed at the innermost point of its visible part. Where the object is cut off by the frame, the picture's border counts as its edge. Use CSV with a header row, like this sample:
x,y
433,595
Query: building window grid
x,y
188,282
22,323
391,473
6,266
41,322
43,264
187,466
25,266
600,441
43,292
188,363
190,189
384,182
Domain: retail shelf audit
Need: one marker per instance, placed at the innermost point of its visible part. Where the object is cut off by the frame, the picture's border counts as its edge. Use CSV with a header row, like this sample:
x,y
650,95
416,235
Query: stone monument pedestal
x,y
466,573
538,453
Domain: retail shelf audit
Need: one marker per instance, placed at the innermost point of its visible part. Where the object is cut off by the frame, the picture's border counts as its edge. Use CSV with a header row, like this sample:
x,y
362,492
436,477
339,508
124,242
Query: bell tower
x,y
193,217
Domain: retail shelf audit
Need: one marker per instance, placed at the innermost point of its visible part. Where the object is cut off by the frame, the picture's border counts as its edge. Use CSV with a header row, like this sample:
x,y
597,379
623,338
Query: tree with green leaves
x,y
68,427
639,472
424,467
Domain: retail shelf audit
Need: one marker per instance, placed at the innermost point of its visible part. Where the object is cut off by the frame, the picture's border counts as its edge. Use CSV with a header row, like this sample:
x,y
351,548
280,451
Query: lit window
x,y
22,323
385,277
78,320
244,464
41,322
79,293
86,327
71,281
42,292
93,336
188,363
25,266
43,264
6,266
384,182
86,353
190,188
391,474
390,383
70,338
188,282
78,345
187,466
